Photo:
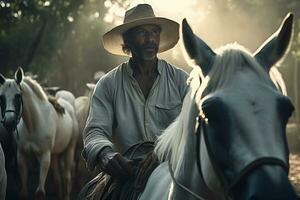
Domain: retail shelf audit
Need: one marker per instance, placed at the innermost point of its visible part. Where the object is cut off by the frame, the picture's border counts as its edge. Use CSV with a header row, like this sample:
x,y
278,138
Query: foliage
x,y
58,40
61,40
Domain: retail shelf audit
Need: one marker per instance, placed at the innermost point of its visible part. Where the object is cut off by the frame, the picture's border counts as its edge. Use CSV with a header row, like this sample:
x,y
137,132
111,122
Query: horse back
x,y
66,126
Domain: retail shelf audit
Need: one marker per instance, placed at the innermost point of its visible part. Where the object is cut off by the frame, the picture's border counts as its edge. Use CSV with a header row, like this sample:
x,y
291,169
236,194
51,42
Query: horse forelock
x,y
35,87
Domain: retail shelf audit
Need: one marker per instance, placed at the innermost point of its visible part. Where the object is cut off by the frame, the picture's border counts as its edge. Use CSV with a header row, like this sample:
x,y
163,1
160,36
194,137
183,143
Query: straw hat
x,y
142,14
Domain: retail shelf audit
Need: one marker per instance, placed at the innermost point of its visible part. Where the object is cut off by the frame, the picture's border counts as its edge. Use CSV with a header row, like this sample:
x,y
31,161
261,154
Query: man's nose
x,y
150,37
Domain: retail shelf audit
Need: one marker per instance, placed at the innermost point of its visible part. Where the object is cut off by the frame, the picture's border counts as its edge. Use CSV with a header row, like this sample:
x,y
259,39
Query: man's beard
x,y
142,52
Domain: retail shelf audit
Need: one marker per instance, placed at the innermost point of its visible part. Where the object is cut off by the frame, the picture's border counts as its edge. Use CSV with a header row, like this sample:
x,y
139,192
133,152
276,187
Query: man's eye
x,y
156,31
141,33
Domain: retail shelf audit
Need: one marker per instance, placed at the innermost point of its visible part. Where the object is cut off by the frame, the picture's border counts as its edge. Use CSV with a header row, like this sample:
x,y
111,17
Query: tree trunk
x,y
35,44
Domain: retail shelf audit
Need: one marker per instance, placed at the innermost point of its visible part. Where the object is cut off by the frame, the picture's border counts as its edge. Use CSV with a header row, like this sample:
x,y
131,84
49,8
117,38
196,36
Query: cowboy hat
x,y
142,14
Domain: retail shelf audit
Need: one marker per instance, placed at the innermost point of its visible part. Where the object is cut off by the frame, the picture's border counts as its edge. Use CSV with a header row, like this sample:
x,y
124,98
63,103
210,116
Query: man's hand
x,y
114,164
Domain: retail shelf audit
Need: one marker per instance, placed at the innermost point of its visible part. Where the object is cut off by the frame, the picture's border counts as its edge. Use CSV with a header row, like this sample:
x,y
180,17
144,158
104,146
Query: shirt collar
x,y
130,71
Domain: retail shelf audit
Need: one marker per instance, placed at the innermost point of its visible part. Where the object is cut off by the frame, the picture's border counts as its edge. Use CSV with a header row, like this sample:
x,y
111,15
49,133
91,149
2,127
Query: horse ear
x,y
2,79
275,47
91,86
197,49
19,75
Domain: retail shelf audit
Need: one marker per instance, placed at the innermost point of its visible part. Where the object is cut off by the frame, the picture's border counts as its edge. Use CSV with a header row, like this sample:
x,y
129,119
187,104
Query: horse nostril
x,y
9,121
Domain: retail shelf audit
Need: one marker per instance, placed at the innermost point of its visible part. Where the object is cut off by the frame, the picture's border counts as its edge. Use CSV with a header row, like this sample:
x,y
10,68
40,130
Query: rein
x,y
183,187
201,119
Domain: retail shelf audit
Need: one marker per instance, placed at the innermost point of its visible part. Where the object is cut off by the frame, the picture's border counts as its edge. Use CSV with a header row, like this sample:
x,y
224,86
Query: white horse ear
x,y
276,46
19,75
2,79
197,49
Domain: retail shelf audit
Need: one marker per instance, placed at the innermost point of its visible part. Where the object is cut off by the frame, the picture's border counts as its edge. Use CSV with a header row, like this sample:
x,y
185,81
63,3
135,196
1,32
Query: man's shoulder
x,y
171,68
113,73
110,78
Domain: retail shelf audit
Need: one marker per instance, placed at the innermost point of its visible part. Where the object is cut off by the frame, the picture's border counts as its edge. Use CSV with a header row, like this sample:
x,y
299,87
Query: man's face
x,y
145,41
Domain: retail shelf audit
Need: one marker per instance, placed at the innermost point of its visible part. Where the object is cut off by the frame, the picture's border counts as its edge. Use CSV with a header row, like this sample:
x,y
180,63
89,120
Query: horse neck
x,y
31,108
187,172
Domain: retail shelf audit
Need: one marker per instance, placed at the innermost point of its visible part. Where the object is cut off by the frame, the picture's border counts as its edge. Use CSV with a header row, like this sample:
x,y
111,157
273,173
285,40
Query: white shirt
x,y
120,116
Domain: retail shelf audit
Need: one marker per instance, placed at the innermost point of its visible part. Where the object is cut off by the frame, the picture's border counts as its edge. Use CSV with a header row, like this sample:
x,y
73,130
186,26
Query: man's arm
x,y
98,130
98,148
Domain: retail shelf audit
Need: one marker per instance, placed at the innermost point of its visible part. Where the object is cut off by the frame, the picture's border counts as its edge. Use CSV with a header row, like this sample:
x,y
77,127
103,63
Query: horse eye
x,y
18,96
2,101
214,109
2,98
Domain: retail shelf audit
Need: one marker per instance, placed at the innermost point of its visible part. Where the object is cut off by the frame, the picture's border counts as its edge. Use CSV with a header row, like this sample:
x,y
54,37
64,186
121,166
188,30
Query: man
x,y
137,100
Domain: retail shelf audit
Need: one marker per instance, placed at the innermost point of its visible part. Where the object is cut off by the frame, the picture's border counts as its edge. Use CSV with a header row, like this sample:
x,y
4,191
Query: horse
x,y
42,132
229,140
9,148
82,105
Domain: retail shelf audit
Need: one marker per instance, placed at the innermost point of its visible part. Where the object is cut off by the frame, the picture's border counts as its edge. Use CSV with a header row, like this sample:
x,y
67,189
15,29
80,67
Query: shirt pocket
x,y
166,113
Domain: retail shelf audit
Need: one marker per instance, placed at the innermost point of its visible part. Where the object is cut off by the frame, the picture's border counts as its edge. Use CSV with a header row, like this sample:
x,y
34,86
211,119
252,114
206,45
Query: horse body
x,y
66,95
65,124
82,105
33,136
68,125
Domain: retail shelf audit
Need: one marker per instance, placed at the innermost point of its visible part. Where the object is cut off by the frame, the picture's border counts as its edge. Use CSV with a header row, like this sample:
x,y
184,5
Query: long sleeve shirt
x,y
120,116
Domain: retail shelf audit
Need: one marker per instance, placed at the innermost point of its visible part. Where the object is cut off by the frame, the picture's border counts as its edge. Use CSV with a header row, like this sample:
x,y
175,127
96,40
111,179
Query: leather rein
x,y
201,120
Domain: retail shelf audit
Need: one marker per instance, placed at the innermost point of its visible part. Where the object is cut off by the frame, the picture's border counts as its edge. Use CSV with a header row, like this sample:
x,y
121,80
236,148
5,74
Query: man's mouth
x,y
150,48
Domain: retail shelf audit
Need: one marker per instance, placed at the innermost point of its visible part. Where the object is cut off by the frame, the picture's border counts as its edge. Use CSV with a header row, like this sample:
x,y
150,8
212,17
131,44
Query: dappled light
x,y
59,44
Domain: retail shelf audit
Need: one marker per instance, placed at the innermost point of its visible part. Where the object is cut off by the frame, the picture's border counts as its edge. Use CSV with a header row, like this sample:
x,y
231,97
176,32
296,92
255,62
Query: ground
x,y
295,170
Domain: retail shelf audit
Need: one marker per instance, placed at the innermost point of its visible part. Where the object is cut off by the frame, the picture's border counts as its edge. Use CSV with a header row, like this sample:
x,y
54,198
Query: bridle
x,y
200,120
201,129
19,115
201,123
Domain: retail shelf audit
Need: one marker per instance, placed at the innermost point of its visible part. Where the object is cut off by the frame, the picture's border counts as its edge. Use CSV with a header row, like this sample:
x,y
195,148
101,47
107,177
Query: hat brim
x,y
169,36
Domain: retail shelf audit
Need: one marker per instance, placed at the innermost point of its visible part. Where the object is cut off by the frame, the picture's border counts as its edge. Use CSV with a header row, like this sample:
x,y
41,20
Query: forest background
x,y
60,41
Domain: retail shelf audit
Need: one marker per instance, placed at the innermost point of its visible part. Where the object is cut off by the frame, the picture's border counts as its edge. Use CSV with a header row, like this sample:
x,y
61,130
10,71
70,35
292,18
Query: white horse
x,y
43,132
82,105
229,140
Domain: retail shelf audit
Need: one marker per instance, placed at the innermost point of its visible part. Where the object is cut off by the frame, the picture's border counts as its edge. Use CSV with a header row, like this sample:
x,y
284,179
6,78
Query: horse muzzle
x,y
10,120
268,181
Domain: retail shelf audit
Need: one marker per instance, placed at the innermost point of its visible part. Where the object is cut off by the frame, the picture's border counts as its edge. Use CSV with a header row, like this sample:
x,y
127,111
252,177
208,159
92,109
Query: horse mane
x,y
54,102
35,87
230,58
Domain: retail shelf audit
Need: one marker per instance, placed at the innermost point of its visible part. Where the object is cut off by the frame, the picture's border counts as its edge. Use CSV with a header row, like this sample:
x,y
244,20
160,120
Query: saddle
x,y
104,187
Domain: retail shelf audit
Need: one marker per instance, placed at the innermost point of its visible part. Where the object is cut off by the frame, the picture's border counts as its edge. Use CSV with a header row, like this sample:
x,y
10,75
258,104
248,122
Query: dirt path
x,y
295,170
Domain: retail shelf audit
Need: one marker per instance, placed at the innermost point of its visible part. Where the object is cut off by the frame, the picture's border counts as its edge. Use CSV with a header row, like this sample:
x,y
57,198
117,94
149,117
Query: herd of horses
x,y
228,142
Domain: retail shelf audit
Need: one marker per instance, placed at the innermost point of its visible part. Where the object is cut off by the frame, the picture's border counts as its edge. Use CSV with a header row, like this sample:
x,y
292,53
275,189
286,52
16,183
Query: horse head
x,y
244,117
11,100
